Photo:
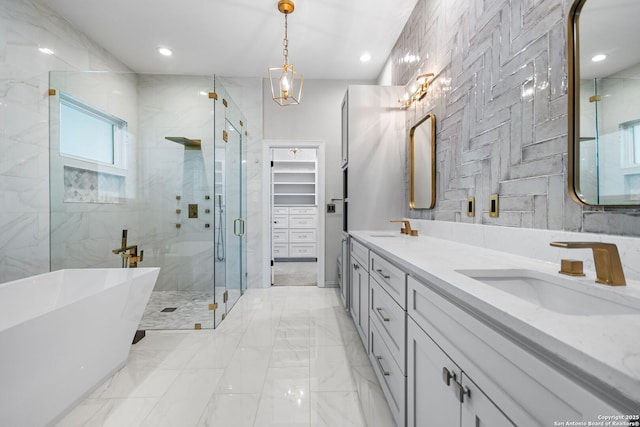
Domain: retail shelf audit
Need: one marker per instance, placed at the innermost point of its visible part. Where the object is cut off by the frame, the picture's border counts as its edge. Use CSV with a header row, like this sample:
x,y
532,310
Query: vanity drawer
x,y
303,211
391,278
302,221
302,250
391,321
280,250
360,253
281,221
302,235
280,211
390,377
280,236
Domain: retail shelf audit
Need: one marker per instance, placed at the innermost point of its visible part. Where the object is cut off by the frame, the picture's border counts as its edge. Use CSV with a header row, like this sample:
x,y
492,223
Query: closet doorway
x,y
296,222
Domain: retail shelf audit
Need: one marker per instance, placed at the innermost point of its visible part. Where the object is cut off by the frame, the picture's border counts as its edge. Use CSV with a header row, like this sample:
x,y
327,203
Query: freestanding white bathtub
x,y
62,334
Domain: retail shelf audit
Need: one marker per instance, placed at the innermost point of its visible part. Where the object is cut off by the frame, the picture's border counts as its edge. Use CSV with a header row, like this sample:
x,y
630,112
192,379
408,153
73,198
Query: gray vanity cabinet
x,y
443,361
439,393
359,283
388,331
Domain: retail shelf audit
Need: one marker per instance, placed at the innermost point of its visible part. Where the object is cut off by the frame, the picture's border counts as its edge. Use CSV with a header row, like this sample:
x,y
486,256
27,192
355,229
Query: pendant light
x,y
286,84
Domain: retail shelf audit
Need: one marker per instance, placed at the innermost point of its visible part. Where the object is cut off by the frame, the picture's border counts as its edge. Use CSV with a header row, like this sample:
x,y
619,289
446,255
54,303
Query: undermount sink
x,y
555,293
383,235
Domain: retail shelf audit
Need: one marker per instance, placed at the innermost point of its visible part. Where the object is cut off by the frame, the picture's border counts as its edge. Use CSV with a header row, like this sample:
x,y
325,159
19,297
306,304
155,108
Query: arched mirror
x,y
604,102
422,171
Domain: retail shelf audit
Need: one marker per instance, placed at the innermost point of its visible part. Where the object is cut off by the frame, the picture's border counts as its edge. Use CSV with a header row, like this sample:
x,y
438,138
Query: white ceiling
x,y
243,38
609,27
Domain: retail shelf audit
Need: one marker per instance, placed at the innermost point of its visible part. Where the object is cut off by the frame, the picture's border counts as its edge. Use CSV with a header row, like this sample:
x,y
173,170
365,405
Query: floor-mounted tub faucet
x,y
129,254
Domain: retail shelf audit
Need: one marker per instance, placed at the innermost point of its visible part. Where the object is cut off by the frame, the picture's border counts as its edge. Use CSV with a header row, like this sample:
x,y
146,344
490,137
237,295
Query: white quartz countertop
x,y
603,349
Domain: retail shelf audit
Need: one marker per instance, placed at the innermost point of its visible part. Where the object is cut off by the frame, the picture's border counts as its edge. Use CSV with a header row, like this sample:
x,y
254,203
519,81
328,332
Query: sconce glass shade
x,y
286,85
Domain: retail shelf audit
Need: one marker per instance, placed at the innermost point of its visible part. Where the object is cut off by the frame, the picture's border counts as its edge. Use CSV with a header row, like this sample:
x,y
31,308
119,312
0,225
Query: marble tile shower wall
x,y
89,203
26,25
174,106
500,100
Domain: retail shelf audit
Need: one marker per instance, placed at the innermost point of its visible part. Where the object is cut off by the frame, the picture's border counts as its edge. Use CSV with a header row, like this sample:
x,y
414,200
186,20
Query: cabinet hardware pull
x,y
447,376
460,391
379,361
379,310
382,274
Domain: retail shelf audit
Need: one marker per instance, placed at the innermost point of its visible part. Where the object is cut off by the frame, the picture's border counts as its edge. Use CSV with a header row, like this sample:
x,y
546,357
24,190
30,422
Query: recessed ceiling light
x,y
599,57
46,50
164,51
365,57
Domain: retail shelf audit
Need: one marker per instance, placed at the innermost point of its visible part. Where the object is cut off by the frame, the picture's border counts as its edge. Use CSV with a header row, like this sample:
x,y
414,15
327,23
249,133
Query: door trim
x,y
267,145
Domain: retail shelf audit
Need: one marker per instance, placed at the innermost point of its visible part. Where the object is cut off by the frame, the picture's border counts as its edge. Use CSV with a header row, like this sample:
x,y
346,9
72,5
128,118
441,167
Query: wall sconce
x,y
286,84
417,92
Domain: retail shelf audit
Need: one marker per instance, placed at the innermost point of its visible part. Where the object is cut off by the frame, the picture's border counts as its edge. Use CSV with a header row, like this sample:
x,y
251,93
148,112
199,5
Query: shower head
x,y
189,144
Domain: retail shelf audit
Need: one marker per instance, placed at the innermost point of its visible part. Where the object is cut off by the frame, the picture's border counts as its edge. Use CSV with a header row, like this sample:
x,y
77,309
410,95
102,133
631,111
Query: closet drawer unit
x,y
302,221
391,321
390,377
281,221
280,211
302,250
280,236
391,278
302,236
361,253
302,211
280,250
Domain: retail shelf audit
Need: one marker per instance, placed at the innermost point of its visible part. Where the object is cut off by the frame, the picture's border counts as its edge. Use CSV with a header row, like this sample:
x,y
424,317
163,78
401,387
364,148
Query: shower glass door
x,y
163,158
230,231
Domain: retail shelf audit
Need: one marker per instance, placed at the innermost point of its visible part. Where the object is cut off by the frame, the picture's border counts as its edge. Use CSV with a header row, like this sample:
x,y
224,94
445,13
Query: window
x,y
90,134
631,138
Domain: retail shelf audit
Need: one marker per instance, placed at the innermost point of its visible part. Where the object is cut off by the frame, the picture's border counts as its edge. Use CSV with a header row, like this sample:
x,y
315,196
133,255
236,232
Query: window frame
x,y
631,152
118,138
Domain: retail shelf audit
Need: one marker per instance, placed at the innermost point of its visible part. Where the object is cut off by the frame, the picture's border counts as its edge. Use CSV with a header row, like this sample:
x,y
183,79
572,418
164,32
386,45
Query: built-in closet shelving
x,y
294,182
294,211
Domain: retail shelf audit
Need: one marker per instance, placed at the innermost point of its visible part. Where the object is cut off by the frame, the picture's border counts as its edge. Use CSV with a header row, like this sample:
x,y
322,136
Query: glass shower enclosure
x,y
163,157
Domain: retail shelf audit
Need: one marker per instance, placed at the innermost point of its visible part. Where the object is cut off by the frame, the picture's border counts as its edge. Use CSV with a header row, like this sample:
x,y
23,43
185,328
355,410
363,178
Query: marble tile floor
x,y
284,356
295,273
191,307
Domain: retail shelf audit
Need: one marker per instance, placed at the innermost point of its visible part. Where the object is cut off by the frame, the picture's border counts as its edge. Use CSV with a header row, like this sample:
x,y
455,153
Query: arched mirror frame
x,y
573,89
573,153
414,163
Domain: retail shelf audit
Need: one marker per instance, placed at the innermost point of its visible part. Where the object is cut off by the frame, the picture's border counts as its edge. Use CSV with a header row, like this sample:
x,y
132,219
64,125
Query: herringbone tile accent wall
x,y
500,101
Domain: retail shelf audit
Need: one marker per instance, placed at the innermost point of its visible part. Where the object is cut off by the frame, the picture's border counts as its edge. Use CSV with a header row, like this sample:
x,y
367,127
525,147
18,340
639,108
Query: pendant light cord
x,y
285,42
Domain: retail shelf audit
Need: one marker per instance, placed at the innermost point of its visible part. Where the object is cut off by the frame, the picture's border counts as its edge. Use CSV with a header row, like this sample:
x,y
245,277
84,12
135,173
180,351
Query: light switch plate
x,y
493,206
471,206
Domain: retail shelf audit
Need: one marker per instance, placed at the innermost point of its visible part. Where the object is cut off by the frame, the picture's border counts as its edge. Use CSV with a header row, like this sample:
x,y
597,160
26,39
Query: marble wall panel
x,y
500,100
26,25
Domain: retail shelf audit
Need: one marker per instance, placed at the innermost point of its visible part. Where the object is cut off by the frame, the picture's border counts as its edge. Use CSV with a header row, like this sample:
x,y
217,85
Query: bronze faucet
x,y
406,229
606,259
130,259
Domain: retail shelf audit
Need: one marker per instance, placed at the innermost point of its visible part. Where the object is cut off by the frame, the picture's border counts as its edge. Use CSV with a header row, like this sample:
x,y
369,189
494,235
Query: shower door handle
x,y
235,227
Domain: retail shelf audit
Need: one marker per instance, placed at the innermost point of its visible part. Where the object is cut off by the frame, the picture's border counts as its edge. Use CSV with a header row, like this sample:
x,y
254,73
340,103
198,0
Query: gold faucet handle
x,y
571,267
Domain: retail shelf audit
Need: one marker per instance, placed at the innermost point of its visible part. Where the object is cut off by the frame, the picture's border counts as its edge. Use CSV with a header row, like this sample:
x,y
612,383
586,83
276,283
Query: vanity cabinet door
x,y
478,410
360,300
430,400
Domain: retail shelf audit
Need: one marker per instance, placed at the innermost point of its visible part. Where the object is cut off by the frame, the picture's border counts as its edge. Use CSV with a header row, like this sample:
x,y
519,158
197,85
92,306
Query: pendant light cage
x,y
286,83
